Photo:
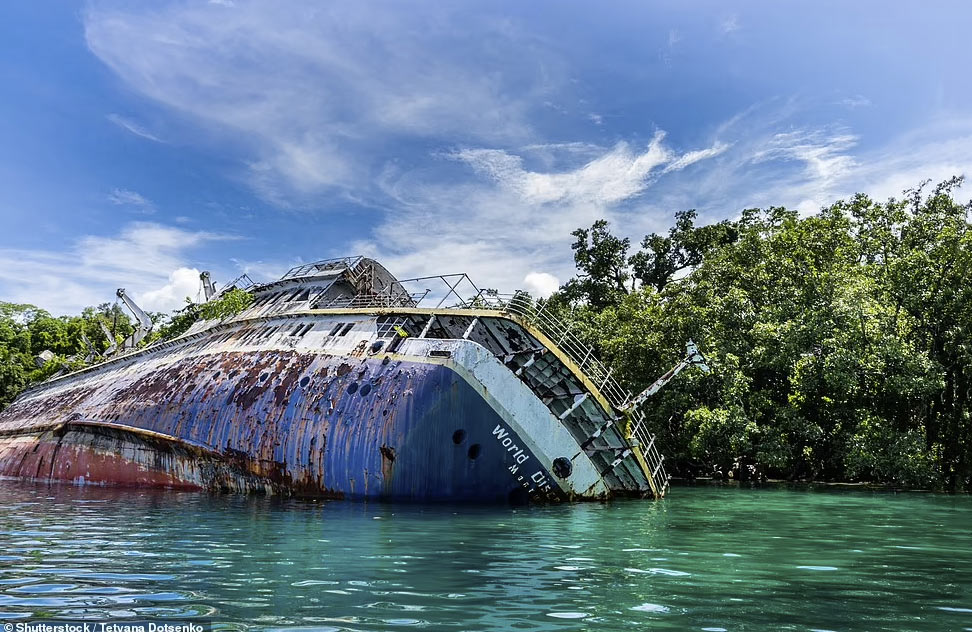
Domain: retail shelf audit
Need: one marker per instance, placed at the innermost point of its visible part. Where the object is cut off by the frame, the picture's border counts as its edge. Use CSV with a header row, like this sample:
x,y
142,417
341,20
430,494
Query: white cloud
x,y
616,175
316,95
825,155
140,258
313,91
516,220
183,282
133,127
124,197
808,168
693,157
540,284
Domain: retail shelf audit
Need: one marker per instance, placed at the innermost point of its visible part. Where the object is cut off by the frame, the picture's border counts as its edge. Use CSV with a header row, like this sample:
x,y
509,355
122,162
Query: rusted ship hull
x,y
334,383
278,422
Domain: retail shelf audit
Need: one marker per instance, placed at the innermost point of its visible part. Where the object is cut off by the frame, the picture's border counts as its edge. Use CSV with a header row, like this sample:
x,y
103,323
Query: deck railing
x,y
523,306
582,355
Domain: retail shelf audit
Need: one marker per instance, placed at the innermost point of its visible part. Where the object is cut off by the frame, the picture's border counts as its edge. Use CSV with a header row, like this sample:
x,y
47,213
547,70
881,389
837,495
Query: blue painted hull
x,y
281,421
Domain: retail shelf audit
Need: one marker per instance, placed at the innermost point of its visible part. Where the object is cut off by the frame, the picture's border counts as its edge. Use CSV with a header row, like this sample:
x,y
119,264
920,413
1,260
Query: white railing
x,y
582,355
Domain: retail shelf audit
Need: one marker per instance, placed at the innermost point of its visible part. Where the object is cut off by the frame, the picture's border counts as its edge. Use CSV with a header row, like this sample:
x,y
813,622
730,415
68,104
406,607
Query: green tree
x,y
228,304
841,340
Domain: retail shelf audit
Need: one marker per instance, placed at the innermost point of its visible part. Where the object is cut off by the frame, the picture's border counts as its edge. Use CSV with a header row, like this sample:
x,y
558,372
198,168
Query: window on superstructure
x,y
391,326
347,328
337,328
303,332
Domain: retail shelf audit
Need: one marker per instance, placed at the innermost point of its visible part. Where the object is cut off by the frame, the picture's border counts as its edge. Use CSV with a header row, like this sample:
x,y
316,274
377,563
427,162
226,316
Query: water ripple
x,y
271,564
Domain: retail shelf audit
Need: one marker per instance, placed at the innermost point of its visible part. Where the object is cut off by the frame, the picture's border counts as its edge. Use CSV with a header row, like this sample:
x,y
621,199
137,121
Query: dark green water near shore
x,y
703,559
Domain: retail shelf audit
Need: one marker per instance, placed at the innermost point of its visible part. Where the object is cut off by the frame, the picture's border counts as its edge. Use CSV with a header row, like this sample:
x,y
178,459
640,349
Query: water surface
x,y
703,559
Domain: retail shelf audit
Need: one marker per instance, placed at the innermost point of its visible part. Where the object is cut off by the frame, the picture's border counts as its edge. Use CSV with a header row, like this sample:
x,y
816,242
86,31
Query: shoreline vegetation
x,y
779,483
841,342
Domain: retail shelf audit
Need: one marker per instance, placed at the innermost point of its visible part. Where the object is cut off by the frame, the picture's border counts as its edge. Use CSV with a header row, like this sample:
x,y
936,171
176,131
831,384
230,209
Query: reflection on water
x,y
703,559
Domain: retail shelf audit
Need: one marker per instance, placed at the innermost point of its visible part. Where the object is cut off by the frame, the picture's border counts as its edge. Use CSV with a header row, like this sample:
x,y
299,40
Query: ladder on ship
x,y
620,446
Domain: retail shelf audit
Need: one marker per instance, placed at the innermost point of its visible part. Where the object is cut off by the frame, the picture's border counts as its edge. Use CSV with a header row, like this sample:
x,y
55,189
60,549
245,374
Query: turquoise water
x,y
703,559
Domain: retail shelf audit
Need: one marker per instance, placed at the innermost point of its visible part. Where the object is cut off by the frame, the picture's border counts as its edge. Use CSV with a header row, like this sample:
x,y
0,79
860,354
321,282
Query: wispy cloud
x,y
729,25
674,37
512,225
261,270
133,127
434,119
856,101
807,168
825,154
140,258
125,197
618,174
312,92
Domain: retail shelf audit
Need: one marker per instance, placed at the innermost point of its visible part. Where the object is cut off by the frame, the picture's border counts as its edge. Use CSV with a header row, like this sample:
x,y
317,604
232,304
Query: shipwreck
x,y
341,381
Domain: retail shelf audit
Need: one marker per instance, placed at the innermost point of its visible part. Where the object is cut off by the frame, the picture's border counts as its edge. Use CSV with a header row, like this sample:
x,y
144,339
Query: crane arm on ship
x,y
144,322
112,343
209,290
92,350
693,357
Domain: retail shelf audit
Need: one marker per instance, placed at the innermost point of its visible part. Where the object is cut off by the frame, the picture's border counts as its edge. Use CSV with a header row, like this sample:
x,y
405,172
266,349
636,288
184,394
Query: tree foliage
x,y
842,341
230,303
27,331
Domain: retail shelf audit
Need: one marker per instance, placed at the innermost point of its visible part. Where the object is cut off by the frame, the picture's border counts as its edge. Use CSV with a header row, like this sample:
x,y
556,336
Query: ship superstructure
x,y
340,380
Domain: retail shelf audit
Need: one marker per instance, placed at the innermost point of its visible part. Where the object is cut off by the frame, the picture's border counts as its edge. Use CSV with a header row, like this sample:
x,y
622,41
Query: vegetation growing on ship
x,y
841,342
230,303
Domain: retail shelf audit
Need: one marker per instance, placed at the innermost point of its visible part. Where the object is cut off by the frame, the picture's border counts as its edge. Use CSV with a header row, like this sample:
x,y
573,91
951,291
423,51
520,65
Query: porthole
x,y
365,389
352,388
264,376
304,381
458,436
562,467
474,451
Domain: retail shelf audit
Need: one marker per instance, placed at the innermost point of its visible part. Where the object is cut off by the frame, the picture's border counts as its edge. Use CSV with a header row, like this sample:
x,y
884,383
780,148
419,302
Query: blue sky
x,y
143,142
